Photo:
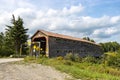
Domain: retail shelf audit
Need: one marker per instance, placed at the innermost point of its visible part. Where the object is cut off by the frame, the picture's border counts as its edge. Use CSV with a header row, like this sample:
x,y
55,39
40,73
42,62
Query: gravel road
x,y
5,60
22,71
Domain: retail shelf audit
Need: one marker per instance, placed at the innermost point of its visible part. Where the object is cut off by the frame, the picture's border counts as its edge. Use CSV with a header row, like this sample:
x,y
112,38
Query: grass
x,y
84,71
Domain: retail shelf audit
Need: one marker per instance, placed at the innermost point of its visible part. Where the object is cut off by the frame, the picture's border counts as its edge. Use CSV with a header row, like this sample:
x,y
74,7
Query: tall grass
x,y
80,70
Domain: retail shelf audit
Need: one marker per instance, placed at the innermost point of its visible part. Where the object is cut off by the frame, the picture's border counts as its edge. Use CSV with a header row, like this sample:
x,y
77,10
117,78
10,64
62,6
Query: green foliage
x,y
67,62
8,42
5,49
1,40
83,70
5,52
112,59
87,68
29,59
110,46
59,58
77,58
118,51
25,50
17,33
88,39
14,36
70,56
73,57
90,59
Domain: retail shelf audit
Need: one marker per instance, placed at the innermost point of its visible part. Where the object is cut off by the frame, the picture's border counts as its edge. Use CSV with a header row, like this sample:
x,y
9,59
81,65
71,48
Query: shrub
x,y
85,71
118,51
59,58
77,58
41,56
112,71
73,57
112,59
67,62
6,52
90,59
70,56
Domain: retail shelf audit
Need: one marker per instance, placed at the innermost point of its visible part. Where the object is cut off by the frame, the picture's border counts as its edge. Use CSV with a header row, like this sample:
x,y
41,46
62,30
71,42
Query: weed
x,y
86,70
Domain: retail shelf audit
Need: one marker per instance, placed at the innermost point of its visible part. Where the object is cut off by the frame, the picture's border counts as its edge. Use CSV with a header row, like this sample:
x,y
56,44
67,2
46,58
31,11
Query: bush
x,y
59,58
73,57
112,59
77,58
69,56
118,51
6,52
83,70
67,62
90,59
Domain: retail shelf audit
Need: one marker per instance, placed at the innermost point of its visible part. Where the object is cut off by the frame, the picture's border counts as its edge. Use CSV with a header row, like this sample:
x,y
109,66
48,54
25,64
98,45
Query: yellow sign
x,y
41,49
37,48
29,42
34,46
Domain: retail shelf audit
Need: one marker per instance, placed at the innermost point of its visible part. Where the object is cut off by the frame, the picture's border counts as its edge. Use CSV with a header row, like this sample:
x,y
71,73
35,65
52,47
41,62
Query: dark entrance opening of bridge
x,y
41,45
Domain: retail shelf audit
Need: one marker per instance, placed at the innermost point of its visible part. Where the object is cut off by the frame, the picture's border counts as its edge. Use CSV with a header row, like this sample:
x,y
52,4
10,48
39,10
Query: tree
x,y
6,48
88,39
8,42
17,33
110,46
1,40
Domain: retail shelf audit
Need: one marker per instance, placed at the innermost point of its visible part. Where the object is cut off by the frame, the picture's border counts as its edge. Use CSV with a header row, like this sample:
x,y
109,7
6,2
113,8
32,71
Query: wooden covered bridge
x,y
53,45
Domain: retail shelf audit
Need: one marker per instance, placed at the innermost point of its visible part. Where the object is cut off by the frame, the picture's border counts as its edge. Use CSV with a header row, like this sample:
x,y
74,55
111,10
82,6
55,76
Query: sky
x,y
97,19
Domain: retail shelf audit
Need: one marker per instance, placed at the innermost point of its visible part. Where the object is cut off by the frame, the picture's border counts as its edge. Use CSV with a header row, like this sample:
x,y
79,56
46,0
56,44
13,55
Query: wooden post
x,y
20,49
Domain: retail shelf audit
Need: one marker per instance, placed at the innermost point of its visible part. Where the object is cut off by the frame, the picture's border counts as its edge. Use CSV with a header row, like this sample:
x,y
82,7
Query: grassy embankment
x,y
80,70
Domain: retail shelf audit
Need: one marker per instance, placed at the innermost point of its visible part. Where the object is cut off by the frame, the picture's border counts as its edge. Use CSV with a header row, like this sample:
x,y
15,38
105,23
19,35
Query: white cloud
x,y
115,19
4,20
72,9
65,21
12,4
105,32
111,31
51,12
22,11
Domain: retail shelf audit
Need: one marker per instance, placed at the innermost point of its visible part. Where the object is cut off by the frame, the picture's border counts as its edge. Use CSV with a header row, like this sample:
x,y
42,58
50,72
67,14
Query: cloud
x,y
50,19
72,9
115,19
55,20
105,32
4,20
13,4
67,20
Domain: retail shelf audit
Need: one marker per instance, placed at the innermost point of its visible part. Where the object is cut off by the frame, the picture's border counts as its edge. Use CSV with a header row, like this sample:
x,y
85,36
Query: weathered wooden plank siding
x,y
60,47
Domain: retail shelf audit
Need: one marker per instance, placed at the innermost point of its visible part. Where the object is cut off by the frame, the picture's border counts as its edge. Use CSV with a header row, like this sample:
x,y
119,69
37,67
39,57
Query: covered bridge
x,y
53,45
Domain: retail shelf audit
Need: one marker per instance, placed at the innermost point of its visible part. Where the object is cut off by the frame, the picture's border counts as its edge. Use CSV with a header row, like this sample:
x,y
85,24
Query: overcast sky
x,y
97,19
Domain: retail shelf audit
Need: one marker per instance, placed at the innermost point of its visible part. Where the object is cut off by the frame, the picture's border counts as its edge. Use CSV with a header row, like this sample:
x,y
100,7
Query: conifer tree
x,y
17,33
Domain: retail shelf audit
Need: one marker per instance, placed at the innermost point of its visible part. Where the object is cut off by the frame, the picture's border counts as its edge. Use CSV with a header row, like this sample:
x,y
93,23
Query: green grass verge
x,y
84,71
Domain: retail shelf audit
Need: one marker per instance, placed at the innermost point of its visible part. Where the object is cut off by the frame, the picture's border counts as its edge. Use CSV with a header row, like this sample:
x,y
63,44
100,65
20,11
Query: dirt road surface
x,y
4,60
23,71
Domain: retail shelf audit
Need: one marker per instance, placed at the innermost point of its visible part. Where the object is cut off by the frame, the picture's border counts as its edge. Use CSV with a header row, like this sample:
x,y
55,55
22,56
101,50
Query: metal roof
x,y
62,36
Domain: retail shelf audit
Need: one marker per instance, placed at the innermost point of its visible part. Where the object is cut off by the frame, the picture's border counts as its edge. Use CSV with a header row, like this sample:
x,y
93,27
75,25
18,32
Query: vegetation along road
x,y
28,71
